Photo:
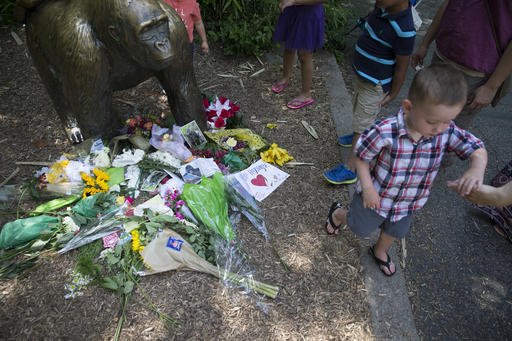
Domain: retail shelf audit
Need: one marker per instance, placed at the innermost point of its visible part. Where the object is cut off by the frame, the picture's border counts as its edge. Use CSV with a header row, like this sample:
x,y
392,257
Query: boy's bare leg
x,y
306,64
339,218
381,248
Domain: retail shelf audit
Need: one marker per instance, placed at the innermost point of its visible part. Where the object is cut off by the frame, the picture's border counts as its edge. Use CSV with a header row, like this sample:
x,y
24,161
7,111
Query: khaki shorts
x,y
366,101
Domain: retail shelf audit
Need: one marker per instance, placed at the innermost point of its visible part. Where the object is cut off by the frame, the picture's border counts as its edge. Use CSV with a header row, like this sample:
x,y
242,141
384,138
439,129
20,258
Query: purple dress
x,y
301,27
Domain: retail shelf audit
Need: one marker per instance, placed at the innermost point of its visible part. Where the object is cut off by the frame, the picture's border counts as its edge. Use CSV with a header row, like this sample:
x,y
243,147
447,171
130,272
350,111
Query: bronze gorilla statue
x,y
86,49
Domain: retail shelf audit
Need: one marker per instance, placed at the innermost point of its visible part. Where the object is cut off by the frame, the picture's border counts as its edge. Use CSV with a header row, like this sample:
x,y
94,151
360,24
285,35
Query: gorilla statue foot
x,y
75,135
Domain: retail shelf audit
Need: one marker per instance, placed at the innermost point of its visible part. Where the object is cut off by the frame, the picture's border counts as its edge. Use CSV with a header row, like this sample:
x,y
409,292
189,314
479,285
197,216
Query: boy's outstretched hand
x,y
473,178
466,183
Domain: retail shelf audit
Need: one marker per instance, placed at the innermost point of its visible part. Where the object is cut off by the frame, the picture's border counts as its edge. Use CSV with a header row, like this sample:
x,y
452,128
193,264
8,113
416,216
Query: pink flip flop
x,y
277,88
299,103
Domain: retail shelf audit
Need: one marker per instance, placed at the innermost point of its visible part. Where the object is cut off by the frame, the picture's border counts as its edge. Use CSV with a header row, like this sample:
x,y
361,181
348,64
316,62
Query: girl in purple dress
x,y
300,29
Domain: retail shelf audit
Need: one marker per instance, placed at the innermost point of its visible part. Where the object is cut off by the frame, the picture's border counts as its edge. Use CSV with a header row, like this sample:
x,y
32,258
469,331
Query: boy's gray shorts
x,y
363,221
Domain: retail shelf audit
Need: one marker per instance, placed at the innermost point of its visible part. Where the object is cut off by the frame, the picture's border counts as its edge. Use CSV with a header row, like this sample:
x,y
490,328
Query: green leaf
x,y
128,287
112,259
109,283
164,218
153,226
39,244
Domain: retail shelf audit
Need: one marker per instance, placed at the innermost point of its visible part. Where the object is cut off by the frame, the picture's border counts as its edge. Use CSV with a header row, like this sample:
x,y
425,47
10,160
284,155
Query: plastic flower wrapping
x,y
219,111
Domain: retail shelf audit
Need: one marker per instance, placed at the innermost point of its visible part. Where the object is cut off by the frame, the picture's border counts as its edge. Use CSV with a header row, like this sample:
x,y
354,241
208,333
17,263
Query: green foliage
x,y
6,14
337,19
245,27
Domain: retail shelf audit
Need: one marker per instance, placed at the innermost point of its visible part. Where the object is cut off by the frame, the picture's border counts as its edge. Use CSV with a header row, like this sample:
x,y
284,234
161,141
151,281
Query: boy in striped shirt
x,y
381,60
398,158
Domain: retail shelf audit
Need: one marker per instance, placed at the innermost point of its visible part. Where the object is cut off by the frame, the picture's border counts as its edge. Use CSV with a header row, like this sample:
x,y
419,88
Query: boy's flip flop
x,y
335,228
299,103
382,264
277,87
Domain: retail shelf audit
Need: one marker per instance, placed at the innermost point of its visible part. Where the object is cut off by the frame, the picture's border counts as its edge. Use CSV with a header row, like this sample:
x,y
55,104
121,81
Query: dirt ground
x,y
323,295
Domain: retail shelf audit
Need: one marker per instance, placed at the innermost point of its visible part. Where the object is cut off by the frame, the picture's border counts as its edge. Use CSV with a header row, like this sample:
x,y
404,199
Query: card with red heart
x,y
260,179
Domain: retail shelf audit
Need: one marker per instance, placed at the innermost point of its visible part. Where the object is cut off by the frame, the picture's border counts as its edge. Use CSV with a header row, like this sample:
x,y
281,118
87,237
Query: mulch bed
x,y
322,295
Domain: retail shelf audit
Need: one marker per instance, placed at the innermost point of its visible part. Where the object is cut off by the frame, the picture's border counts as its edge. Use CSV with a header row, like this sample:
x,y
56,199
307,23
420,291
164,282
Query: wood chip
x,y
212,86
13,174
310,129
34,163
226,75
257,72
16,38
295,163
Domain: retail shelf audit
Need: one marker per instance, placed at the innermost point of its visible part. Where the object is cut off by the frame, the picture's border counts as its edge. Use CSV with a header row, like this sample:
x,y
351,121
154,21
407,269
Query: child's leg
x,y
351,162
306,62
339,218
366,107
390,231
381,251
288,59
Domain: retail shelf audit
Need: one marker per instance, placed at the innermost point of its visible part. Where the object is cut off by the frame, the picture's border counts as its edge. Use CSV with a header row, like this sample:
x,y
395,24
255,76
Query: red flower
x,y
220,123
225,114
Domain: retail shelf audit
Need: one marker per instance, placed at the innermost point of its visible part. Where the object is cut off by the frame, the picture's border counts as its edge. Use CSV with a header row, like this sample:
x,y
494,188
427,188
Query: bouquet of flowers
x,y
219,111
141,125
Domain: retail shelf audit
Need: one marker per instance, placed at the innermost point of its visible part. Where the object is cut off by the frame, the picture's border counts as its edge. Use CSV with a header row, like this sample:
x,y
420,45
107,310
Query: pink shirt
x,y
465,34
189,12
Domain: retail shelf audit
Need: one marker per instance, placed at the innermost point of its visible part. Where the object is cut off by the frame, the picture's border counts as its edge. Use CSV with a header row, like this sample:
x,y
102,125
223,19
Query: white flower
x,y
166,158
128,157
101,158
70,224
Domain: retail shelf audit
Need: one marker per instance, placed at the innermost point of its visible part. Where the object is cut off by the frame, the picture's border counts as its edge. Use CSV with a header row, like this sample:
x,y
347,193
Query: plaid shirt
x,y
403,170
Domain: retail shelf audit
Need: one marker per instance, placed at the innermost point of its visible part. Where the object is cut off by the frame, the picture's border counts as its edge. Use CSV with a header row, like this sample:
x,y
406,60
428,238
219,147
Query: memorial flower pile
x,y
142,211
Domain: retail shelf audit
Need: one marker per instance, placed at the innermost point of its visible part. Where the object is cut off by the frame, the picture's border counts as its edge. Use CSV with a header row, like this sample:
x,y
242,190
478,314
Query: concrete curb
x,y
387,297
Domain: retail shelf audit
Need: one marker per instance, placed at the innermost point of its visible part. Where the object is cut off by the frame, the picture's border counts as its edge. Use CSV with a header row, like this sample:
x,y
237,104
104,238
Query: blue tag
x,y
174,244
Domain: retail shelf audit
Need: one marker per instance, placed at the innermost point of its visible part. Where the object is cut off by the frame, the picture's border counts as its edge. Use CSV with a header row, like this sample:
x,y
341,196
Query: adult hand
x,y
485,195
482,97
418,56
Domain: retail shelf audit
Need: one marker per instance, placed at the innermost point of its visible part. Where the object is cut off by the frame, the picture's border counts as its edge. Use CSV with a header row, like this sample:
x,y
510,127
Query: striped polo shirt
x,y
384,37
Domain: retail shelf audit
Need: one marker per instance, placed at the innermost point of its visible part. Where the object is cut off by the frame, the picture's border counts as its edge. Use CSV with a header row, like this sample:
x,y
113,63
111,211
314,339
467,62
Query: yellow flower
x,y
95,185
276,155
136,247
56,173
271,125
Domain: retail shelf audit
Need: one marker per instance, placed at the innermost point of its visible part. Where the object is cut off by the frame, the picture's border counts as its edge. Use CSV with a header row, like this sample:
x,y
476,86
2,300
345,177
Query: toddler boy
x,y
398,158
